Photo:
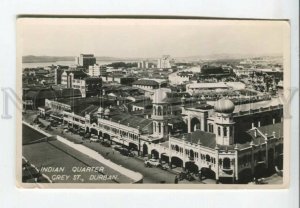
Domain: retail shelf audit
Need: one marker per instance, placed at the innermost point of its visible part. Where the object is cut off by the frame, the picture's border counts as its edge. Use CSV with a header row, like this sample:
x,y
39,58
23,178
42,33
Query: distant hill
x,y
43,59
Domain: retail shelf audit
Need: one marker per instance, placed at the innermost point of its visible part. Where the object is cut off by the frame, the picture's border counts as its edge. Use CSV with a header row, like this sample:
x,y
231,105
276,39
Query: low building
x,y
214,86
149,84
34,98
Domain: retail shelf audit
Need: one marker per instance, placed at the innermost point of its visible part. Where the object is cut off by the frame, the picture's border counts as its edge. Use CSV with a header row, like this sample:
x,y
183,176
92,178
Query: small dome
x,y
224,106
100,110
107,112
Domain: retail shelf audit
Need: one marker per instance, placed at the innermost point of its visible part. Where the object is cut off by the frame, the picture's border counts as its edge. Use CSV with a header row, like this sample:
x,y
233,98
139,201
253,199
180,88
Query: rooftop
x,y
78,74
146,82
207,139
131,121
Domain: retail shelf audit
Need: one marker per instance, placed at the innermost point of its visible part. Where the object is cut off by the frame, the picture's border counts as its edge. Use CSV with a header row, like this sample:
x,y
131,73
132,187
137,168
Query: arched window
x,y
220,162
159,128
191,153
219,131
159,111
207,157
164,110
177,148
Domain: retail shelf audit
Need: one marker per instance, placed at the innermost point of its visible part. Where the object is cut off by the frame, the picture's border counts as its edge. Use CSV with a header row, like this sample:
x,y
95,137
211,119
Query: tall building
x,y
57,75
88,86
86,60
143,64
164,62
96,70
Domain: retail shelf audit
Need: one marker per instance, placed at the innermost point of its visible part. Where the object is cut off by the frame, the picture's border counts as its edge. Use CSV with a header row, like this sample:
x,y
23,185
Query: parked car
x,y
165,166
117,148
152,162
94,139
186,175
105,144
126,152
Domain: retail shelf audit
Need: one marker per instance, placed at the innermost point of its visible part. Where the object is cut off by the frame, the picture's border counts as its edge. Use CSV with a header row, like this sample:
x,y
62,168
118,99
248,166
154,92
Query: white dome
x,y
100,110
107,112
224,106
160,94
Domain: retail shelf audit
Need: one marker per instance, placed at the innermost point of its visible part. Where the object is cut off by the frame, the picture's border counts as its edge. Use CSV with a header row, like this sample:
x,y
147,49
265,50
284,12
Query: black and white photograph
x,y
153,103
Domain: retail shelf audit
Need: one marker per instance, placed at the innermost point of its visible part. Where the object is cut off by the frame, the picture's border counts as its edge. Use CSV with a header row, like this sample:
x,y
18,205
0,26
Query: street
x,y
151,175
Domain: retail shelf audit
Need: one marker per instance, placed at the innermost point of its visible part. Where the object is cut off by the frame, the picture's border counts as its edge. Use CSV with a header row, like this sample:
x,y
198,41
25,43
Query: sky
x,y
143,38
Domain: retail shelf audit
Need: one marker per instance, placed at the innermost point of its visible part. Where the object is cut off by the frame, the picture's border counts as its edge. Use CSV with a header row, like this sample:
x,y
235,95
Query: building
x,y
85,60
58,71
120,79
214,86
88,86
178,78
143,64
228,144
34,98
164,62
149,84
216,145
97,71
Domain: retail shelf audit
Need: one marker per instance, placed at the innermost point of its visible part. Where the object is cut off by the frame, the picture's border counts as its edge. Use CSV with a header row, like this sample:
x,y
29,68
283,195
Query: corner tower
x,y
161,112
223,122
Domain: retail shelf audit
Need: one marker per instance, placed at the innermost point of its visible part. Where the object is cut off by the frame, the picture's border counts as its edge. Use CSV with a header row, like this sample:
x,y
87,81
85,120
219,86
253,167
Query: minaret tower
x,y
223,122
161,113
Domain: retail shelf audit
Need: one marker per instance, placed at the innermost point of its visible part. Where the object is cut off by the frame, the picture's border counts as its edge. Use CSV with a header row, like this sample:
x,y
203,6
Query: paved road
x,y
151,175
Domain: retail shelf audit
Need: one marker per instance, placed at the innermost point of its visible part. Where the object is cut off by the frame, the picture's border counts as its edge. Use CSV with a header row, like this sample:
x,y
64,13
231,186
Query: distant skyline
x,y
152,38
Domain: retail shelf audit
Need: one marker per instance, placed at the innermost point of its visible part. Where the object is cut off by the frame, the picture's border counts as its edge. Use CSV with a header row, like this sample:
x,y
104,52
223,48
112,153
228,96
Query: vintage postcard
x,y
153,103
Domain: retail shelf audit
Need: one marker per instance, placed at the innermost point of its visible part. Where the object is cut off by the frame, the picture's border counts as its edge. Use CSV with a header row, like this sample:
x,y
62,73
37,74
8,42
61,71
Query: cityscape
x,y
165,119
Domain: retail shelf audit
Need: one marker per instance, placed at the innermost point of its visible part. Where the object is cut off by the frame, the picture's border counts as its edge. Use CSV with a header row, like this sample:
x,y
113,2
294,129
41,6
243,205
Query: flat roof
x,y
257,105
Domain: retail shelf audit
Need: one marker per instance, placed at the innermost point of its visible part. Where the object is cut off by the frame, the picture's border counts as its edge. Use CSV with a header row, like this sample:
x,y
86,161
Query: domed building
x,y
160,112
107,112
221,123
100,112
224,106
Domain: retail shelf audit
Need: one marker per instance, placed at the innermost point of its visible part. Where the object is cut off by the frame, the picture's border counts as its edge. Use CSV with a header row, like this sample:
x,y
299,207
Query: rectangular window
x,y
225,131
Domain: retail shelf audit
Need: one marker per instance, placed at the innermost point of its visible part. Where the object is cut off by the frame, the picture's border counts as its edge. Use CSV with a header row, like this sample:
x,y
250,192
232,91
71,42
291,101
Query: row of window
x,y
121,133
193,154
226,131
159,128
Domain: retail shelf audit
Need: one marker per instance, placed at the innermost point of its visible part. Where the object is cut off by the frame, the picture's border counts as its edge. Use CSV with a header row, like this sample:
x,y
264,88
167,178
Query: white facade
x,y
164,62
174,78
96,71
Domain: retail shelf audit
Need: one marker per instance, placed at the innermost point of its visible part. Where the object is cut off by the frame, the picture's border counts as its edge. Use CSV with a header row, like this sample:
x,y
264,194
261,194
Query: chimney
x,y
274,134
